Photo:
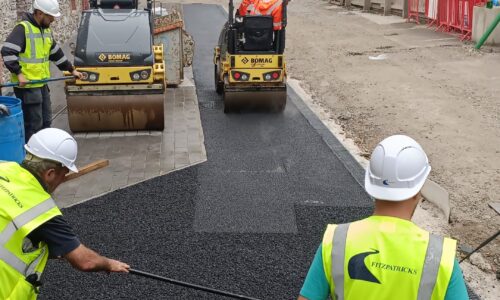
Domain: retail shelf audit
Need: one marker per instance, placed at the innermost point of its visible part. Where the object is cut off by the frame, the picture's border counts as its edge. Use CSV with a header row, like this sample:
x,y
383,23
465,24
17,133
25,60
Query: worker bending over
x,y
263,7
27,53
386,256
32,228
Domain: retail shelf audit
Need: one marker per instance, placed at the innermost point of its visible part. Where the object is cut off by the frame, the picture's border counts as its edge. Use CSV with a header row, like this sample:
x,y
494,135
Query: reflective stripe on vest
x,y
256,11
431,267
362,260
12,227
25,207
34,60
338,257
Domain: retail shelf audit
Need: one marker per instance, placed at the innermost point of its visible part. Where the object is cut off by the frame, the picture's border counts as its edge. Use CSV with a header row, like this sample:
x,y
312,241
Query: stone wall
x,y
63,27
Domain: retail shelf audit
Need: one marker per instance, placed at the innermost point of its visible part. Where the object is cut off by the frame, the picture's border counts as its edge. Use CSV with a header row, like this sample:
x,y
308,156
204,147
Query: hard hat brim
x,y
72,167
55,15
393,194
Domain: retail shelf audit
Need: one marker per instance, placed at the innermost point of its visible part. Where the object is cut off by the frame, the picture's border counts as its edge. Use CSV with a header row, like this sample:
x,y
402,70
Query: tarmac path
x,y
246,221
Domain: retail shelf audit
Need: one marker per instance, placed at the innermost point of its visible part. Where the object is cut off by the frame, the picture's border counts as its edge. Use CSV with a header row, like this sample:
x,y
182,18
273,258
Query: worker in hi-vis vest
x,y
27,53
386,256
263,7
32,228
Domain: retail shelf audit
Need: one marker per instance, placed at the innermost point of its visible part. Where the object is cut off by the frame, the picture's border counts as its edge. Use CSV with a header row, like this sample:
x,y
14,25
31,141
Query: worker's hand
x,y
77,74
22,80
117,266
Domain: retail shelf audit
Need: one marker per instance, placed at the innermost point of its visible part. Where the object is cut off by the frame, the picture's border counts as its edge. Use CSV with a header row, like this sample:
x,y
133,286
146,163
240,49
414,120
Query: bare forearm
x,y
87,260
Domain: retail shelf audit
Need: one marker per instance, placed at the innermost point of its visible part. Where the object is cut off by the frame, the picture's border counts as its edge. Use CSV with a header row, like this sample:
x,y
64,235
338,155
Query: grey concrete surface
x,y
134,156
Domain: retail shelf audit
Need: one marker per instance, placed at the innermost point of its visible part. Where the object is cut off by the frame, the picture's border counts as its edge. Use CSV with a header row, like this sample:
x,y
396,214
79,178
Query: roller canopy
x,y
114,37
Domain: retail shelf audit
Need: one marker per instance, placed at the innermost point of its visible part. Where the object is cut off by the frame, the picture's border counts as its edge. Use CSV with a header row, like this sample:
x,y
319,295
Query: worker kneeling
x,y
386,256
32,228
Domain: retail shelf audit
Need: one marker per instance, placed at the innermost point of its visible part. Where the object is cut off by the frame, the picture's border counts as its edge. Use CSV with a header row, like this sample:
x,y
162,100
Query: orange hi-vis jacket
x,y
263,7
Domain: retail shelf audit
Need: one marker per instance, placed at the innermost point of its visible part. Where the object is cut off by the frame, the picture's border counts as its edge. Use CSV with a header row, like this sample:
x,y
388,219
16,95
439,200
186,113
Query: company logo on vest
x,y
358,270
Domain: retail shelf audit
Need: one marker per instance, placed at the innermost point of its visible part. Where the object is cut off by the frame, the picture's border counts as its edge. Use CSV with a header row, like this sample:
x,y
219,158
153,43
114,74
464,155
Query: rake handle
x,y
10,84
189,285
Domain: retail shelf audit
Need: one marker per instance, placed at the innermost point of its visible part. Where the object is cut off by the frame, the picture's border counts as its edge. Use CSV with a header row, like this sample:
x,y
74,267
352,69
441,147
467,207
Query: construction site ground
x,y
248,219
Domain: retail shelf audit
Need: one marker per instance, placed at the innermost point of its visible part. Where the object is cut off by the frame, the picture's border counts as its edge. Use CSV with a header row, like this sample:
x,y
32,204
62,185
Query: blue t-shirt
x,y
316,285
58,235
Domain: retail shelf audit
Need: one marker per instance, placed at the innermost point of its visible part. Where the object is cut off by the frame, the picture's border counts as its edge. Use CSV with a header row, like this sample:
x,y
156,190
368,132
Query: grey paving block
x,y
92,135
181,158
118,134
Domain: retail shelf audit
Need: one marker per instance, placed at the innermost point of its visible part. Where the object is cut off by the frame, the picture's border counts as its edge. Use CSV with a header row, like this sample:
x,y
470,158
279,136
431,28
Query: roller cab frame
x,y
123,86
249,64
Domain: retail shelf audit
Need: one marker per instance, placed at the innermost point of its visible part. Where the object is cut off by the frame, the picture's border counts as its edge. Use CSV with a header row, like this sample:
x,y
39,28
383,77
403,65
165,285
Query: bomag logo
x,y
114,57
255,61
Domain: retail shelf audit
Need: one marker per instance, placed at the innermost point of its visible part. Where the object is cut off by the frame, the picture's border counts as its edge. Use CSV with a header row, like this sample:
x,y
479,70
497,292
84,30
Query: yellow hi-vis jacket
x,y
34,61
386,258
24,206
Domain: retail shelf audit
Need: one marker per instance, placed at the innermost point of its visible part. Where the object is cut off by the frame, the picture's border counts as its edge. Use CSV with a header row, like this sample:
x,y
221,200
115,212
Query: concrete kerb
x,y
343,148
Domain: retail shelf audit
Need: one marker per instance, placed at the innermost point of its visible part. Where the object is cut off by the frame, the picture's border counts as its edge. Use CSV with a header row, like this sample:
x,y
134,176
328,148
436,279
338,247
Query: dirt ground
x,y
427,85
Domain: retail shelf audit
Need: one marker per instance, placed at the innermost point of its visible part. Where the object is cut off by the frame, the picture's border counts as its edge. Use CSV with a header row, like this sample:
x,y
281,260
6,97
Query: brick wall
x,y
64,27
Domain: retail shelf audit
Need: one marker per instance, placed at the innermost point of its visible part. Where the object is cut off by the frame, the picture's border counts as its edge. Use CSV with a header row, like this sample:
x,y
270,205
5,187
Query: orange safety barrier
x,y
85,5
454,15
413,11
431,12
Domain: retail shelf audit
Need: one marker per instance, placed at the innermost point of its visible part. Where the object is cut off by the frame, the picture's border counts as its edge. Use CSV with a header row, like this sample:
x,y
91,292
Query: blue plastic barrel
x,y
12,131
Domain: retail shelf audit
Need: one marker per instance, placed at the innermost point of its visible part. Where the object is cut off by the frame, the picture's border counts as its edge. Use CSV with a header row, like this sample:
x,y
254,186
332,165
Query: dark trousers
x,y
37,109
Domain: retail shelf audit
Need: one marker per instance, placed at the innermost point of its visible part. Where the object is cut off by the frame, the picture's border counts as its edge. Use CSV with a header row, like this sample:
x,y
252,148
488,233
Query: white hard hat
x,y
54,144
398,169
50,7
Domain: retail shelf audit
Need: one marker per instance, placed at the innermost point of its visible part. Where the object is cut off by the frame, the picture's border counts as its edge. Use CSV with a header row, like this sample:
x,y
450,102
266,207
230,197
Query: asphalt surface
x,y
246,221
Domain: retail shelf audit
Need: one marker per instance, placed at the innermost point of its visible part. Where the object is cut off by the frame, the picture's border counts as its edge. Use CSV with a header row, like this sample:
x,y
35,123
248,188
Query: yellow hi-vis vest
x,y
386,258
24,206
34,61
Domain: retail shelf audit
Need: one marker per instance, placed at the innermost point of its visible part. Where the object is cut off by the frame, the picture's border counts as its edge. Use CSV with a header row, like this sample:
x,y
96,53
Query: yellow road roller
x,y
249,65
123,84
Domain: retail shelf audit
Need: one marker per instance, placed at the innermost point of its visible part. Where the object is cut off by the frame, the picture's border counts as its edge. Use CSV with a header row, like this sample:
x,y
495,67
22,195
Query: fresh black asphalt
x,y
247,221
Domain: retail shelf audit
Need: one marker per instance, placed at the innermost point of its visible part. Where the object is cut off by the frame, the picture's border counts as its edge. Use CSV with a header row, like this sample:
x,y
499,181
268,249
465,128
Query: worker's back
x,y
264,7
386,258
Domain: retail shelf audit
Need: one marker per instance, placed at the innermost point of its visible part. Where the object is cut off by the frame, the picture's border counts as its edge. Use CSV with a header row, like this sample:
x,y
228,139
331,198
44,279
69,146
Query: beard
x,y
45,24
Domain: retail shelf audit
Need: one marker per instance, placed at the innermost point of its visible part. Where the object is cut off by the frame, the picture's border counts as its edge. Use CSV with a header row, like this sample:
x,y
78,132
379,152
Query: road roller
x,y
249,65
123,84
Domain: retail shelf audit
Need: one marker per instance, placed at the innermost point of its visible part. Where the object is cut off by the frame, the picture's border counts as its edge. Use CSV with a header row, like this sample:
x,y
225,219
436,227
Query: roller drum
x,y
115,112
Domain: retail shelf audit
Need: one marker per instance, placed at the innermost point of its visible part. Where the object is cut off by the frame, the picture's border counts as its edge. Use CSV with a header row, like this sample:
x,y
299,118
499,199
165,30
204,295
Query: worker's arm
x,y
456,287
315,285
87,260
61,61
14,44
63,243
244,6
57,56
277,17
